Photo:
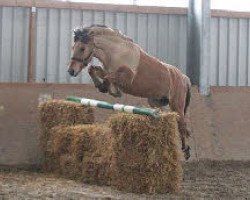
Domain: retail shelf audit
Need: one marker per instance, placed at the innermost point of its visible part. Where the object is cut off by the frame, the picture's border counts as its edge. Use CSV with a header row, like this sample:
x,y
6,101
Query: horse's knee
x,y
91,70
96,71
102,88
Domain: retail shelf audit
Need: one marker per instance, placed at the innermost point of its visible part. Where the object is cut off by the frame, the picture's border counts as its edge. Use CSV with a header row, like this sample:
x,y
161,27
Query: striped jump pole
x,y
119,107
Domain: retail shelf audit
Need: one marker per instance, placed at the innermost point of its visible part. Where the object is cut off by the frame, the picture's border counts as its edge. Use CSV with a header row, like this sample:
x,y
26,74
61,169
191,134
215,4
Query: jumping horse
x,y
128,68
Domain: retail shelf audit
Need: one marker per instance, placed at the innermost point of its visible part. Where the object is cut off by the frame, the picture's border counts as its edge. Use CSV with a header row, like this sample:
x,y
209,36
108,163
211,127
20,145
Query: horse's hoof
x,y
102,88
187,152
116,95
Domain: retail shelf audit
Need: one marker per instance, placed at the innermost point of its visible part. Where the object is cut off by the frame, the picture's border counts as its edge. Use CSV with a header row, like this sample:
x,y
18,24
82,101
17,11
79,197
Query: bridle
x,y
83,61
77,59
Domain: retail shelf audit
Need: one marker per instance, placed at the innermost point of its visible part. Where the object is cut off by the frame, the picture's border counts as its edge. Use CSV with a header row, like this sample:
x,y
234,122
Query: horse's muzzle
x,y
72,72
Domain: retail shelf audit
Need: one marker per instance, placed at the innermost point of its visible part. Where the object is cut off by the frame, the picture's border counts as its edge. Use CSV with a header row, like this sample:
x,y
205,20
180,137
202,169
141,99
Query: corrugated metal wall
x,y
163,36
14,33
230,53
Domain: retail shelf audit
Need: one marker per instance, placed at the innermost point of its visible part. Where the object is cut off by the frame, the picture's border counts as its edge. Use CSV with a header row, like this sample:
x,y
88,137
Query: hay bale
x,y
68,166
133,153
58,112
146,153
83,152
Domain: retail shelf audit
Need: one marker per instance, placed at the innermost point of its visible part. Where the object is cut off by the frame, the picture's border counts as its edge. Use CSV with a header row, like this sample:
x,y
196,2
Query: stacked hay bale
x,y
84,152
146,153
59,113
132,153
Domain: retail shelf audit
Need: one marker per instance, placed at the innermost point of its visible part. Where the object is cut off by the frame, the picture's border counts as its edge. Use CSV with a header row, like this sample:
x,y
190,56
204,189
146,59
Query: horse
x,y
129,69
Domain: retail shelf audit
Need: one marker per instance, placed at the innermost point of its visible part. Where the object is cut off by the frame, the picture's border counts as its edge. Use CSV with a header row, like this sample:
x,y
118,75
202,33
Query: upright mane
x,y
82,34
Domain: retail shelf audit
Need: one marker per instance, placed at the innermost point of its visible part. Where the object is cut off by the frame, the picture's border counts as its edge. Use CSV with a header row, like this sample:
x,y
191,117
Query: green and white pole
x,y
118,107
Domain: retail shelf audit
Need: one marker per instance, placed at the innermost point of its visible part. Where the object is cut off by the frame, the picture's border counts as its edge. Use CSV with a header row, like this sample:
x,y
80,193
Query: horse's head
x,y
84,45
82,51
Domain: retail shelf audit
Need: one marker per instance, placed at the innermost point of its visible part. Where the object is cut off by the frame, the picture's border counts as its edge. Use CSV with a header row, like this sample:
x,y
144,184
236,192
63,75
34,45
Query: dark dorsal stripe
x,y
81,34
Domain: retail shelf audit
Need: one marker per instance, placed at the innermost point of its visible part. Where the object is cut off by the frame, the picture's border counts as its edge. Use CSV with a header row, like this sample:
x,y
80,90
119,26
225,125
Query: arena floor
x,y
202,179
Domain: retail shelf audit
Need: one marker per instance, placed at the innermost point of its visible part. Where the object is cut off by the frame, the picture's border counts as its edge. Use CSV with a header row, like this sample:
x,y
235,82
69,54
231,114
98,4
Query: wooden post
x,y
32,34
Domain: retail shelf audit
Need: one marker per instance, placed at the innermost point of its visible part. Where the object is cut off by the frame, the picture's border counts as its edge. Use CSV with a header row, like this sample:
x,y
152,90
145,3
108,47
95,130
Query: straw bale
x,y
58,112
83,152
147,159
132,153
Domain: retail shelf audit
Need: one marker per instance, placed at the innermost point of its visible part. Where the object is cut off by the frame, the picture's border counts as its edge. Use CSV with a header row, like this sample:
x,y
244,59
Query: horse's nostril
x,y
71,72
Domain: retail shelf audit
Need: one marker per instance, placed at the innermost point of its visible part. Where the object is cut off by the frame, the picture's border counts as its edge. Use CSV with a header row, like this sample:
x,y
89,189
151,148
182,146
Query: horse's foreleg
x,y
117,92
96,72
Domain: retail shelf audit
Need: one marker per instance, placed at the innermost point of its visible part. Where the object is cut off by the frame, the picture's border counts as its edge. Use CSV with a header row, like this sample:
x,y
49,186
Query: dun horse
x,y
128,68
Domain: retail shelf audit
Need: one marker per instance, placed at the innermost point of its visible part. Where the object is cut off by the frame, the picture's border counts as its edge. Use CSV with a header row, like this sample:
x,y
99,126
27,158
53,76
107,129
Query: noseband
x,y
83,61
77,59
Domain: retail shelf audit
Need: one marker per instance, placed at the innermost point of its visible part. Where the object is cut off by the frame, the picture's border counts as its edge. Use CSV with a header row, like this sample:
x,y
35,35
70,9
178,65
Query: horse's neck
x,y
108,44
114,52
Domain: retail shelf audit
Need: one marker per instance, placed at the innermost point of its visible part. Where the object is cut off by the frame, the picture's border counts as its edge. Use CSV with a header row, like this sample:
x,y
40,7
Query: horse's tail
x,y
188,96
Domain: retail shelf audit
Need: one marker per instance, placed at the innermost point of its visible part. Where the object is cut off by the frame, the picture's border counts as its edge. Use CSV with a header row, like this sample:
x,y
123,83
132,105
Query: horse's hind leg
x,y
97,72
177,105
184,133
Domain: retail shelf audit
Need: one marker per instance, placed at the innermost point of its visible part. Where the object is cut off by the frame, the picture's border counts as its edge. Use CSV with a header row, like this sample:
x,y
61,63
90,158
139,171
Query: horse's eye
x,y
82,49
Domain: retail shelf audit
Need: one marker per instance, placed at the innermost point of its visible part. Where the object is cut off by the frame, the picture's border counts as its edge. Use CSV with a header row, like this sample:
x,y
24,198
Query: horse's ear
x,y
76,34
81,35
86,36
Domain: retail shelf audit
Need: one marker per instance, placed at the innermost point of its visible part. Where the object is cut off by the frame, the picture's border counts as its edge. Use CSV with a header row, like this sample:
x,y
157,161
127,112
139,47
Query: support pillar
x,y
198,44
32,35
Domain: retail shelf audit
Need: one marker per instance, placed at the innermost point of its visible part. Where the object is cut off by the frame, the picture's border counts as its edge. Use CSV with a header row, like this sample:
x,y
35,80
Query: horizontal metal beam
x,y
94,6
117,8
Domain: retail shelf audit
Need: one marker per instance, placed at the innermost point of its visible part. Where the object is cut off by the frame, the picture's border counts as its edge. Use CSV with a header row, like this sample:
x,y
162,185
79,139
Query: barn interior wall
x,y
160,32
220,123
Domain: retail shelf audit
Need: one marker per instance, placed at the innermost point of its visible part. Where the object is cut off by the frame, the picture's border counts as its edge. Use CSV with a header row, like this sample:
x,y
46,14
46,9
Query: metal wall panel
x,y
163,36
230,43
14,33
